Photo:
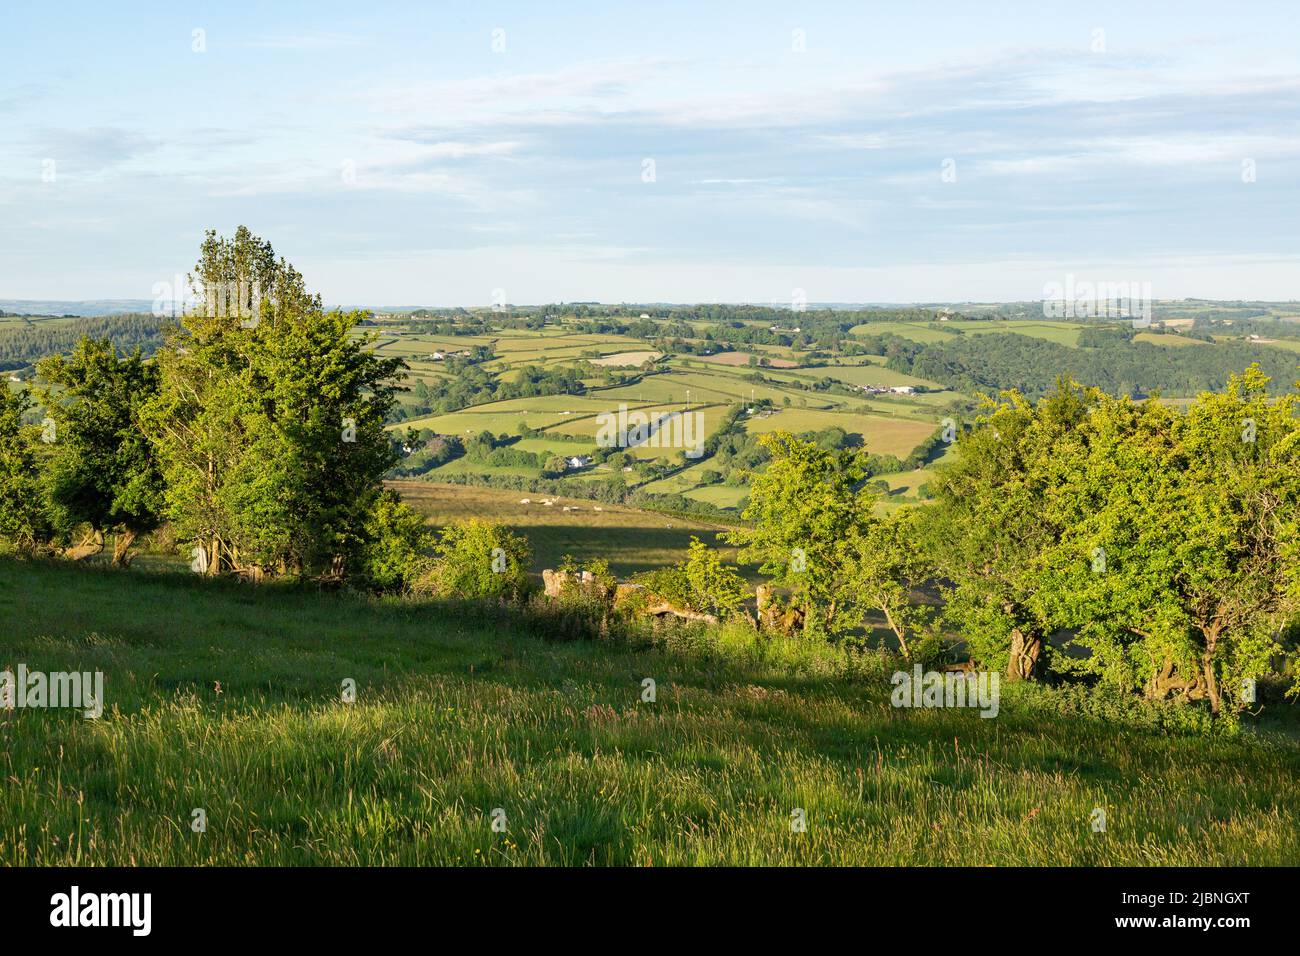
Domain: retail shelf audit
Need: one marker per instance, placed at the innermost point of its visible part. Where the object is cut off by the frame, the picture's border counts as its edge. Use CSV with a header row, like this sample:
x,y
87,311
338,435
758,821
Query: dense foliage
x,y
1116,364
103,472
22,345
1161,545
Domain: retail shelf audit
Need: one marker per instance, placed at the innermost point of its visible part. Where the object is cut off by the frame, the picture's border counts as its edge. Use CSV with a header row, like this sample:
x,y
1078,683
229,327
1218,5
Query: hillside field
x,y
630,540
226,698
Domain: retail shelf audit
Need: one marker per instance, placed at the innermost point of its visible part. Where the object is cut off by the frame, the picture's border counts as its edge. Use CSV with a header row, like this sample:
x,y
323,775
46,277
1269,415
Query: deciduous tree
x,y
103,471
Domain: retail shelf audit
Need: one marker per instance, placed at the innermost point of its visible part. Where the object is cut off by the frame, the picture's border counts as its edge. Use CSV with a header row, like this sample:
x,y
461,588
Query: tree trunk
x,y
1207,667
686,614
1168,681
90,545
898,633
122,548
1025,652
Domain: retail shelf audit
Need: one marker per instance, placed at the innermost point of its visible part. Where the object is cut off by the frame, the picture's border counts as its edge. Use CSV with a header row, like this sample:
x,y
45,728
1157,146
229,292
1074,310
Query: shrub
x,y
395,555
700,583
478,559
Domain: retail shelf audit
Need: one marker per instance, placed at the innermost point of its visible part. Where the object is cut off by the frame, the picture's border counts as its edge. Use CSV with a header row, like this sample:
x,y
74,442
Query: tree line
x,y
1124,543
989,362
23,345
259,439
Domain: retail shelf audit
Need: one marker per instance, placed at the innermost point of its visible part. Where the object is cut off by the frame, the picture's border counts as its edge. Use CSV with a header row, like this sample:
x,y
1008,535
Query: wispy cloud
x,y
96,149
770,166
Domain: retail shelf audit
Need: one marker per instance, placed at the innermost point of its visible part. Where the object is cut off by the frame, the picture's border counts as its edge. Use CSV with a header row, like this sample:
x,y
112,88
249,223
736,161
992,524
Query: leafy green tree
x,y
397,546
1176,565
270,420
478,559
23,520
804,512
103,472
886,565
987,530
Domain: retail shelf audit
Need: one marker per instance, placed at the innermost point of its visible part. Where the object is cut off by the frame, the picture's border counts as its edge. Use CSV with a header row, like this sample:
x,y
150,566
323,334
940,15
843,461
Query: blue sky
x,y
396,157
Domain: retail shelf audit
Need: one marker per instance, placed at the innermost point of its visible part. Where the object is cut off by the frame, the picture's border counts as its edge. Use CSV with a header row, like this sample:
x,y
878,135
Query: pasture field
x,y
626,358
916,331
1170,341
226,697
630,540
724,496
741,359
1062,333
880,434
872,374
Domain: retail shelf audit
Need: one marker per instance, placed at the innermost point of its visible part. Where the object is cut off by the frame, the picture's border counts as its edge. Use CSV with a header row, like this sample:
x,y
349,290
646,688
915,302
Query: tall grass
x,y
458,714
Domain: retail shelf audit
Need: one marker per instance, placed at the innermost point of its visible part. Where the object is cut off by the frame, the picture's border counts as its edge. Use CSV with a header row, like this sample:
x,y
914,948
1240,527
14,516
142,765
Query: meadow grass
x,y
880,434
916,331
629,539
1170,341
458,713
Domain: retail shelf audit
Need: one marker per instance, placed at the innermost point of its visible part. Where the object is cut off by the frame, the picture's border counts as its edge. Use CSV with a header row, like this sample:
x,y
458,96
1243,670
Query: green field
x,y
1064,333
226,698
1171,341
890,424
915,331
872,374
881,434
630,540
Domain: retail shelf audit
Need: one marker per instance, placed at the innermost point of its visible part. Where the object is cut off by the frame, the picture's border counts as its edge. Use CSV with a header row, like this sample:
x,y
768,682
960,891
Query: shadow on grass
x,y
291,643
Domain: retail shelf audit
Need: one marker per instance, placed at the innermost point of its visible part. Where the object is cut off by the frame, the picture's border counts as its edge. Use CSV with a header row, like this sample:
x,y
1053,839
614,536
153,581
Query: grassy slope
x,y
629,539
457,716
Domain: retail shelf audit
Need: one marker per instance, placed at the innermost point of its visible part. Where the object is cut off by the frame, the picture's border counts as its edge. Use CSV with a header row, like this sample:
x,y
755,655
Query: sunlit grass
x,y
456,716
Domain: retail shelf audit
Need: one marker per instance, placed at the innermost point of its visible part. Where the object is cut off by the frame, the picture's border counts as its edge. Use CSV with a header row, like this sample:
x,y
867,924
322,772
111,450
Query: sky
x,y
465,154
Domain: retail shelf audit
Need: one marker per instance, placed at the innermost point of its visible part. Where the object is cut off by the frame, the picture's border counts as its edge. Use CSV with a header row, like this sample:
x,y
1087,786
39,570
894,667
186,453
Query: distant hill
x,y
85,307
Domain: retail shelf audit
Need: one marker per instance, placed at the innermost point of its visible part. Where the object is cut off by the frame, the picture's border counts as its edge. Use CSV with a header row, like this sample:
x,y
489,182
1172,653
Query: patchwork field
x,y
1063,333
786,393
